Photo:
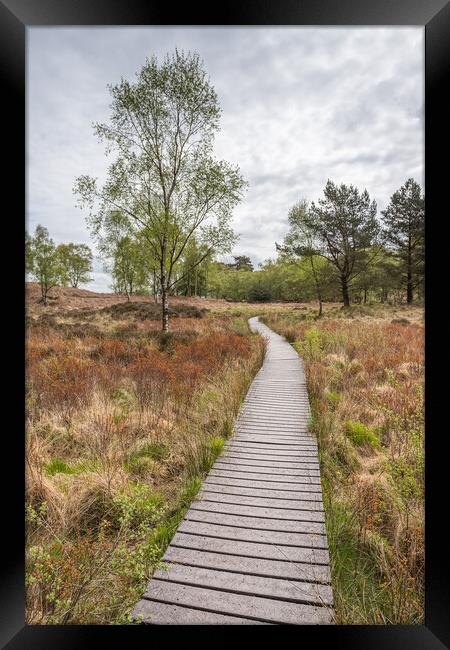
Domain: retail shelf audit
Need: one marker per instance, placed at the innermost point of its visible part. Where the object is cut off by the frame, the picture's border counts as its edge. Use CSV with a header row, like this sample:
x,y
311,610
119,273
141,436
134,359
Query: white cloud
x,y
300,105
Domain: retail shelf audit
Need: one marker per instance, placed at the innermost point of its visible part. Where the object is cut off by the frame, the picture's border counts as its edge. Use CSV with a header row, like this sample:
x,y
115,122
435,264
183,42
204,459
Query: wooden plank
x,y
265,451
152,612
278,426
252,549
289,421
243,583
272,437
285,419
264,473
270,410
273,442
312,466
258,511
283,411
260,468
284,458
266,427
281,461
250,535
265,447
264,609
252,472
256,523
270,478
269,437
254,566
265,433
265,501
264,484
277,431
253,442
292,495
264,440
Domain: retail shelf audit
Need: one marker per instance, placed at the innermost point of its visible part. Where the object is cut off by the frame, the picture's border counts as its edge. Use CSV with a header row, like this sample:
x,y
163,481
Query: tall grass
x,y
365,382
121,429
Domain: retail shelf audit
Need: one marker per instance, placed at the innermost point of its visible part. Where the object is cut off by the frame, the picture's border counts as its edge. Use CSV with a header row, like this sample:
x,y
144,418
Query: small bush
x,y
58,466
153,450
403,476
361,435
333,397
259,293
138,506
140,466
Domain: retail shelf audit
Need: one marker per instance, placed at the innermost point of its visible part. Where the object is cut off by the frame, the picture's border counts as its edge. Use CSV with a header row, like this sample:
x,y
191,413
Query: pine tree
x,y
403,232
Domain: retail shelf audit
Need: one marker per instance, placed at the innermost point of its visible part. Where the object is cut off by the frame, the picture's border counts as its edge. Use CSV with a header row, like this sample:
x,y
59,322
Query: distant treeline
x,y
335,250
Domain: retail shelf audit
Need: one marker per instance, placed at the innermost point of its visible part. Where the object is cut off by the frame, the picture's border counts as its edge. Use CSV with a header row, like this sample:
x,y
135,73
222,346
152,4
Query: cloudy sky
x,y
300,105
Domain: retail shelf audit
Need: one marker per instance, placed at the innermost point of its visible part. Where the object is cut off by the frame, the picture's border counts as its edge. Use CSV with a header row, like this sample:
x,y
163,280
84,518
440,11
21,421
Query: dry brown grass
x,y
365,381
122,422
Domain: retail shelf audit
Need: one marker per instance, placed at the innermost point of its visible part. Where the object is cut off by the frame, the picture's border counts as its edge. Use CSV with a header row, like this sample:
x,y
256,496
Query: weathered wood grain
x,y
309,593
254,566
258,511
256,523
222,602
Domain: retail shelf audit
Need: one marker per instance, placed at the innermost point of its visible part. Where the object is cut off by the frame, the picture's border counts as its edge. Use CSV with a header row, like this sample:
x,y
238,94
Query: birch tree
x,y
164,181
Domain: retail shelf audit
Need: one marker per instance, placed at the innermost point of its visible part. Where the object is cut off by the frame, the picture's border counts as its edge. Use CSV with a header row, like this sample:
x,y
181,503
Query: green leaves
x,y
404,233
164,182
43,261
344,222
76,263
51,265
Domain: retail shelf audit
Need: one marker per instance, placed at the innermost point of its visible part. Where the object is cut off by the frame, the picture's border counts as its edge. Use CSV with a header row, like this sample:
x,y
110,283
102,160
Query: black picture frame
x,y
15,17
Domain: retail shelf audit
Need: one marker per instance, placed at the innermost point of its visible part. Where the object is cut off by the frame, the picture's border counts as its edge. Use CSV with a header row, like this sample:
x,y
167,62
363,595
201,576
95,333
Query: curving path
x,y
252,549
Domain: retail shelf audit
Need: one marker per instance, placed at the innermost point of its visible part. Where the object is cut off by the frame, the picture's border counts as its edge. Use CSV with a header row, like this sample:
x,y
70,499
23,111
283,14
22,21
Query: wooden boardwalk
x,y
252,549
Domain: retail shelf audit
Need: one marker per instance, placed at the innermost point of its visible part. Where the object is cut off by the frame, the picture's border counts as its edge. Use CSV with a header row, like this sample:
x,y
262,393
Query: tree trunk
x,y
165,280
316,281
409,282
409,287
165,308
345,296
44,294
155,289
